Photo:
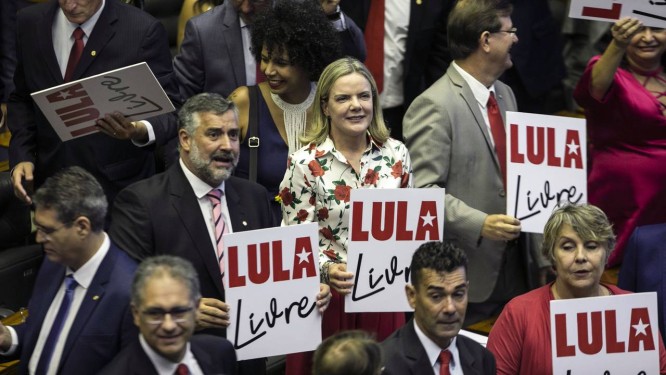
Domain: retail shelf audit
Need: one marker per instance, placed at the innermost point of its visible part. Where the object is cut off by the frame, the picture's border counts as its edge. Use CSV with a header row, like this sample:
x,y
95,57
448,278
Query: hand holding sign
x,y
624,29
339,278
116,125
213,313
500,228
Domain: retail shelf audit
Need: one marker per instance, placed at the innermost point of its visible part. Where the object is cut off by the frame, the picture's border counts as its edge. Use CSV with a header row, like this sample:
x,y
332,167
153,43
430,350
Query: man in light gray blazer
x,y
448,133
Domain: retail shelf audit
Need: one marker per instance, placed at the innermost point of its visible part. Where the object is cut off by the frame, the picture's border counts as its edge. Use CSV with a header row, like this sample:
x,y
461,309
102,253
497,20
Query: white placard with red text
x,y
386,226
547,165
271,283
614,335
651,12
73,108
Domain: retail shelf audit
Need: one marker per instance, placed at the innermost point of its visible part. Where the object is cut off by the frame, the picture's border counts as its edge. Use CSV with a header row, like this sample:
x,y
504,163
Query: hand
x,y
624,29
22,180
338,278
323,297
500,228
117,126
212,313
5,338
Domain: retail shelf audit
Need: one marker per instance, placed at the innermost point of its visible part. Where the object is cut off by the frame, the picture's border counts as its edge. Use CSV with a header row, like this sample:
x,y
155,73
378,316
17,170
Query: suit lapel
x,y
203,356
467,358
185,203
419,362
239,220
100,36
38,313
94,294
232,35
45,42
467,95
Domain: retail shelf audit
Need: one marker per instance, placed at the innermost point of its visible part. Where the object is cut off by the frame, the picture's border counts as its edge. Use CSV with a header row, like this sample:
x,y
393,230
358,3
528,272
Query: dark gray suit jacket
x,y
215,356
404,355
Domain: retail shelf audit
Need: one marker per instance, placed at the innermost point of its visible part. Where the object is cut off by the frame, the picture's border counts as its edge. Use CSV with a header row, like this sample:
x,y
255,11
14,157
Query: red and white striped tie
x,y
215,196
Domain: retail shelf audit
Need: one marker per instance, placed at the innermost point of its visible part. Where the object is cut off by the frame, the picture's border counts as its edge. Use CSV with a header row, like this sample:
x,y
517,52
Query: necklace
x,y
295,117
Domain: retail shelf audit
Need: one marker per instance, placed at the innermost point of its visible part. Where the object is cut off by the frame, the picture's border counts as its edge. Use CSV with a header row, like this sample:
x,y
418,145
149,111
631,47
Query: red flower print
x,y
405,180
312,200
396,169
287,197
331,254
301,216
371,177
315,168
342,193
327,233
322,214
319,153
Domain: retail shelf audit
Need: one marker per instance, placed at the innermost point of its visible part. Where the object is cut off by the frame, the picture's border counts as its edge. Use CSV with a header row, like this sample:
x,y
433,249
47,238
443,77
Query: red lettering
x,y
386,232
402,234
516,156
562,349
71,92
428,208
357,232
82,131
611,14
612,345
303,244
234,278
586,344
569,156
83,103
640,318
258,276
553,160
79,117
535,148
279,273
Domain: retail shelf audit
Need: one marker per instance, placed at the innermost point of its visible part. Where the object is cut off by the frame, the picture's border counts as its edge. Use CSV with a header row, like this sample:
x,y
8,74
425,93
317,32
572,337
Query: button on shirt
x,y
433,350
200,190
165,367
481,94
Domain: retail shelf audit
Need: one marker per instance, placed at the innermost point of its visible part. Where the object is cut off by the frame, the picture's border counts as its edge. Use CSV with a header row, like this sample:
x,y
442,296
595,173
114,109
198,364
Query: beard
x,y
203,165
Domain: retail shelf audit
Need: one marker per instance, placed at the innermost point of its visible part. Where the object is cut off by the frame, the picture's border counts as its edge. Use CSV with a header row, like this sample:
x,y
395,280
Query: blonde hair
x,y
321,124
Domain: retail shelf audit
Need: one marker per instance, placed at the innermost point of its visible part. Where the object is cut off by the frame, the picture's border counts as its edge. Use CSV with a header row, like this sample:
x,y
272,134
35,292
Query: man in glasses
x,y
456,136
165,300
79,310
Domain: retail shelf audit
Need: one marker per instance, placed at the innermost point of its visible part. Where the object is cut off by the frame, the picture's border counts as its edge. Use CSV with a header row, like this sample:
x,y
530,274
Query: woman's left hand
x,y
624,29
324,297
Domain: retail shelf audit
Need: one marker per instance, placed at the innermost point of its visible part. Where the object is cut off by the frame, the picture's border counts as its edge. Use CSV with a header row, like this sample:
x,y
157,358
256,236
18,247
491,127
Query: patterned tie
x,y
75,53
374,42
58,323
215,196
182,370
444,361
499,136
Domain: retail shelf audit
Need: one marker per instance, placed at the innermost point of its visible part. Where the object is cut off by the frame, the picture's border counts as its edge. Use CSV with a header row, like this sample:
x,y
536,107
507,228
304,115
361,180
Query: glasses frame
x,y
178,315
513,30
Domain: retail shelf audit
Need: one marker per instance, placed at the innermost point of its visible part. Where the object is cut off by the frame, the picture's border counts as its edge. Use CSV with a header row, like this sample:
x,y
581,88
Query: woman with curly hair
x,y
347,147
292,43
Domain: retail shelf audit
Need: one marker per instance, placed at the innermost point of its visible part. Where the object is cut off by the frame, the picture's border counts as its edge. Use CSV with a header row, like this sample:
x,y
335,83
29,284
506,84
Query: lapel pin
x,y
244,223
95,298
499,96
418,2
93,53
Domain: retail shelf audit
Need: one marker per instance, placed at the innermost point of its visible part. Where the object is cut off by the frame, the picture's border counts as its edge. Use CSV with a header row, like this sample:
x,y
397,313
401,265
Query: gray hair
x,y
71,193
201,103
165,265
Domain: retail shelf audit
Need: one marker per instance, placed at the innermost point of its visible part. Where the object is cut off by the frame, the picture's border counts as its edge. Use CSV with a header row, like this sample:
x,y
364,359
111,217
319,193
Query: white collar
x,y
433,350
200,187
85,274
479,90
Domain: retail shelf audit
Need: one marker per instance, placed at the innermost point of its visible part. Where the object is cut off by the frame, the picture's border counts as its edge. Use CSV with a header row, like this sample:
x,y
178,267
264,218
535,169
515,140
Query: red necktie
x,y
499,136
75,53
215,197
444,360
182,370
374,42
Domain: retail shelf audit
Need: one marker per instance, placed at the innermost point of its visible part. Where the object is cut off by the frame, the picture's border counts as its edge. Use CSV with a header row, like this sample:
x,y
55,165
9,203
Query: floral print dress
x,y
318,183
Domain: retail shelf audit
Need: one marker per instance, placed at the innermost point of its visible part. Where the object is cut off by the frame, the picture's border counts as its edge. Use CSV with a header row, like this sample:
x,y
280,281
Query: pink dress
x,y
627,148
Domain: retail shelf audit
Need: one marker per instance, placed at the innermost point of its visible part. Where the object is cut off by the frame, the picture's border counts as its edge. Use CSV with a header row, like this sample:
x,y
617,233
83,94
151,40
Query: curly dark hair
x,y
439,256
300,28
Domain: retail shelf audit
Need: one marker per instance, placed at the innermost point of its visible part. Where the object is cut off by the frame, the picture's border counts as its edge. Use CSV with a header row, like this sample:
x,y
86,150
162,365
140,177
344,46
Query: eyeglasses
x,y
49,231
156,316
512,30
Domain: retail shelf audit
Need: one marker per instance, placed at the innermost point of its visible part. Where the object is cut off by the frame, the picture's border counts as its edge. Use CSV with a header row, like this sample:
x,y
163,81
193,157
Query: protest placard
x,y
612,335
386,226
651,12
271,282
73,108
547,166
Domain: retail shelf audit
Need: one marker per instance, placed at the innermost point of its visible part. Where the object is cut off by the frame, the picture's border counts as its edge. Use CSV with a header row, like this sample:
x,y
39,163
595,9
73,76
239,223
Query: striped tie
x,y
215,196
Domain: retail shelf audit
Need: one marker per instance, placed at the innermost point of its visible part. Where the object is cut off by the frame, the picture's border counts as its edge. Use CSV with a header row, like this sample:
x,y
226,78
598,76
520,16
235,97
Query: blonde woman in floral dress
x,y
348,147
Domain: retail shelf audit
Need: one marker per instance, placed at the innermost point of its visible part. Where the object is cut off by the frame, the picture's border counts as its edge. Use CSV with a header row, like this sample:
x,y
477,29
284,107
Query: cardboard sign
x,y
271,283
651,12
73,108
614,335
386,226
547,166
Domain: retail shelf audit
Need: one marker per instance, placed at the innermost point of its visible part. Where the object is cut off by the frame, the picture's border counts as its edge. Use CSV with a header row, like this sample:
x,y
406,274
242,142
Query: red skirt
x,y
381,325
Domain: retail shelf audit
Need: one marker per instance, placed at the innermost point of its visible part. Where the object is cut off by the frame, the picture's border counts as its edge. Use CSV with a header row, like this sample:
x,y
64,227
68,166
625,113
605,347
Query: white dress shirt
x,y
250,62
433,350
165,367
396,25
